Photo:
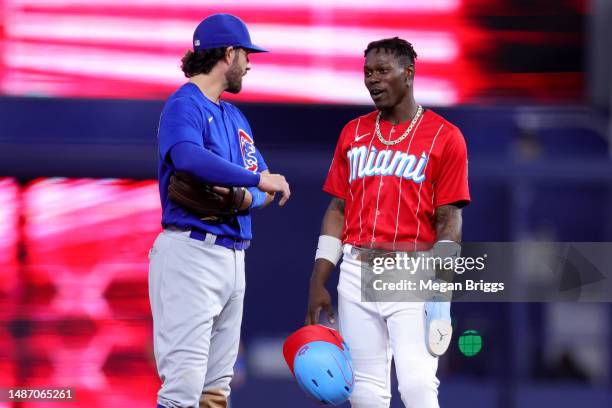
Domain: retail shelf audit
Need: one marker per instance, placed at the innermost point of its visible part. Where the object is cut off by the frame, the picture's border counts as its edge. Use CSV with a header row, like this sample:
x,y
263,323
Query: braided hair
x,y
401,48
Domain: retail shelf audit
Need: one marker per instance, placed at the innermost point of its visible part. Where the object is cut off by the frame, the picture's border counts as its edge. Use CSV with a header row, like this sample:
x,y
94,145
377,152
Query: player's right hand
x,y
319,299
272,183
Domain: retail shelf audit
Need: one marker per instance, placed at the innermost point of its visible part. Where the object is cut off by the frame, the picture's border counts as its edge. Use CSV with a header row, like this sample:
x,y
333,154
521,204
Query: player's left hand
x,y
226,192
319,299
438,328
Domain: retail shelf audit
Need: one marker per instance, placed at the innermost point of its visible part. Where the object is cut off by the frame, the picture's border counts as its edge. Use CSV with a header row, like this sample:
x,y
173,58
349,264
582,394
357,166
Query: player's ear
x,y
409,71
230,54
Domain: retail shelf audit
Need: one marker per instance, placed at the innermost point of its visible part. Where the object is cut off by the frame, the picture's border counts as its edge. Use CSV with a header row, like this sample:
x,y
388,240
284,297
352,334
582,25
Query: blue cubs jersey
x,y
189,116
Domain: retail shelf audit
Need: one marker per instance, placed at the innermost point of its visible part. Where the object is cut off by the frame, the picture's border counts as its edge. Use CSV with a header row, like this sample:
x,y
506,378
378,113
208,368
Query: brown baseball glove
x,y
213,204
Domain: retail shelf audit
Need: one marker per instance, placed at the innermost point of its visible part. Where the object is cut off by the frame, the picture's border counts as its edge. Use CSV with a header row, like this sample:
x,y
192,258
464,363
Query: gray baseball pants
x,y
196,290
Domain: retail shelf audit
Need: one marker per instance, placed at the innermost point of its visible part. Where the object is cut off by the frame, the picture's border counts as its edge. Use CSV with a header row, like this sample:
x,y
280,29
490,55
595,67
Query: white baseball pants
x,y
378,331
196,290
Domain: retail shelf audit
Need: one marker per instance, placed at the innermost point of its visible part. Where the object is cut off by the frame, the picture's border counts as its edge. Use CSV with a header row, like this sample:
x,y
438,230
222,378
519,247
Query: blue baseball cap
x,y
223,30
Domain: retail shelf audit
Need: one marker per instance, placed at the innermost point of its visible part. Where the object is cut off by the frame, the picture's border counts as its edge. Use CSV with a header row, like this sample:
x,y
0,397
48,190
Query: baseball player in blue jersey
x,y
210,176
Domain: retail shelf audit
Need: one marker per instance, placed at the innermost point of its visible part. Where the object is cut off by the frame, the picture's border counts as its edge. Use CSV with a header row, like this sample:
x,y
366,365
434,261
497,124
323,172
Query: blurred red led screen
x,y
132,49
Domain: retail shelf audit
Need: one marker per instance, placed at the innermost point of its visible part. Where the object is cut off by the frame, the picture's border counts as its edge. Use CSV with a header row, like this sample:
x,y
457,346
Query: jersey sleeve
x,y
451,184
337,183
261,163
181,121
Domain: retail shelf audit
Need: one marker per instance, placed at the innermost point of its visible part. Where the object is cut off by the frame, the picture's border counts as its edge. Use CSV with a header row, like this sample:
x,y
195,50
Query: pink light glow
x,y
83,236
72,47
9,220
431,5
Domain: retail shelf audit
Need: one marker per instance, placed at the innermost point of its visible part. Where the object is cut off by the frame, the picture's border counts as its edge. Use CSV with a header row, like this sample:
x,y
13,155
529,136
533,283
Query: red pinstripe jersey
x,y
391,192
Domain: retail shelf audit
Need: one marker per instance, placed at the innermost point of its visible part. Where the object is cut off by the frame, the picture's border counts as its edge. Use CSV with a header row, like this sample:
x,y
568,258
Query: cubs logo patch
x,y
247,148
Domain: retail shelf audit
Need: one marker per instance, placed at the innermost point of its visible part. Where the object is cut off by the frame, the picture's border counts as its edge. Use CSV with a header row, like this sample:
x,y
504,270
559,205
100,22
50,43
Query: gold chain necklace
x,y
403,136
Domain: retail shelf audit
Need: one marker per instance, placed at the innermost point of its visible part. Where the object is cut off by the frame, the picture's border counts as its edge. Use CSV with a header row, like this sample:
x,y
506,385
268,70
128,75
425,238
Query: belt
x,y
221,240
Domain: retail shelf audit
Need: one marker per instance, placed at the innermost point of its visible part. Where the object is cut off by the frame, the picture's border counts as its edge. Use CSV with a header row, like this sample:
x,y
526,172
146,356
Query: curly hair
x,y
401,48
201,62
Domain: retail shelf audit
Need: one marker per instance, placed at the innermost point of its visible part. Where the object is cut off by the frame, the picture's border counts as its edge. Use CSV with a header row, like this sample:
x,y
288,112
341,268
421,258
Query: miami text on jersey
x,y
386,163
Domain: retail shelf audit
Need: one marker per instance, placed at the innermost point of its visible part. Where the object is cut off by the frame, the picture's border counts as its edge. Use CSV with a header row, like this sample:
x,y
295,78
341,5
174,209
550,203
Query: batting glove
x,y
438,328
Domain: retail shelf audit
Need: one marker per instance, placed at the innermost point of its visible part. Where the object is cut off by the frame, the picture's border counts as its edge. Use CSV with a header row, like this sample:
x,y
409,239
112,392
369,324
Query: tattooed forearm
x,y
448,223
333,221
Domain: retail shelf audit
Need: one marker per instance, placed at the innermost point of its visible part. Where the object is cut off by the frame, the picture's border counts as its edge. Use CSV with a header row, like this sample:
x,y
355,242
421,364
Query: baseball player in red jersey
x,y
398,181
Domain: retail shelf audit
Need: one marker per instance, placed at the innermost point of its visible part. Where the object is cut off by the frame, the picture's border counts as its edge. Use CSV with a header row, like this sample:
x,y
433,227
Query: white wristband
x,y
329,248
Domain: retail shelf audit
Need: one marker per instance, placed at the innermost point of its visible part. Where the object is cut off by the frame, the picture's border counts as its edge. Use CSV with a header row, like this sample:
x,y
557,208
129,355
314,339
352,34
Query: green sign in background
x,y
470,343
